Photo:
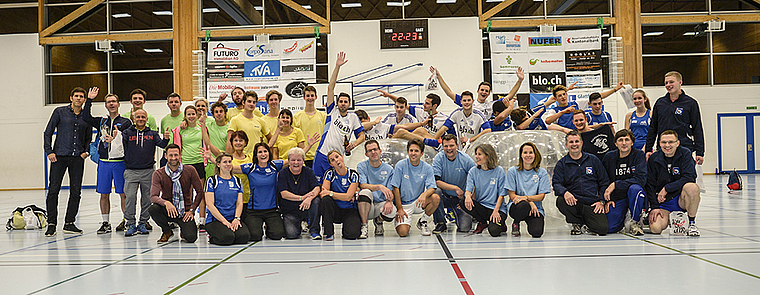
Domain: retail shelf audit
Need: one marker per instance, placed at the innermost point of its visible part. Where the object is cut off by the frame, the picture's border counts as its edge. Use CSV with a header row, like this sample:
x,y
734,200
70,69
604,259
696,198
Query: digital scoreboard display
x,y
404,34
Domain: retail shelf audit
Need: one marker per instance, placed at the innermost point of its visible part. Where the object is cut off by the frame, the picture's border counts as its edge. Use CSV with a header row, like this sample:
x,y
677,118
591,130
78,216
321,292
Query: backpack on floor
x,y
734,181
28,217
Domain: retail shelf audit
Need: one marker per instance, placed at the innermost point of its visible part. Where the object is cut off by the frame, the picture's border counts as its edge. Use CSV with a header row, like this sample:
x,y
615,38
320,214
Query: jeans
x,y
292,221
75,166
464,221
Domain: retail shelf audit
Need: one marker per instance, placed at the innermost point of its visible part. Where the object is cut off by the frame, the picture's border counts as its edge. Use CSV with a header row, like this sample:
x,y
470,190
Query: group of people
x,y
251,175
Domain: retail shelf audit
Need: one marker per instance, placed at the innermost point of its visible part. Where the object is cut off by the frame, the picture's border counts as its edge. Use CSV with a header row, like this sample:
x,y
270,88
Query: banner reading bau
x,y
283,65
563,58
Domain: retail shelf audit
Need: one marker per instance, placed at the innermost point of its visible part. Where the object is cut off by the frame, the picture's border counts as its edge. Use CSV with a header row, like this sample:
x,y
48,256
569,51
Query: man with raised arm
x,y
470,123
481,104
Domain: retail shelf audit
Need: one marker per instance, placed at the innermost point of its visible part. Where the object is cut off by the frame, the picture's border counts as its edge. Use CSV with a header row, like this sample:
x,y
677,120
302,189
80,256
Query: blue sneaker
x,y
142,229
131,231
316,237
330,238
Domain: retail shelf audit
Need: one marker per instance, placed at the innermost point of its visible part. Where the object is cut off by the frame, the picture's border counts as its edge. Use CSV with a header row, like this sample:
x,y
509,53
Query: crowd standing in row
x,y
251,175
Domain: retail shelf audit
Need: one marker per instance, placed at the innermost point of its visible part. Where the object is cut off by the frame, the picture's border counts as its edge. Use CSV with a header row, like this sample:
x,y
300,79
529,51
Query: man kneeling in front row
x,y
413,190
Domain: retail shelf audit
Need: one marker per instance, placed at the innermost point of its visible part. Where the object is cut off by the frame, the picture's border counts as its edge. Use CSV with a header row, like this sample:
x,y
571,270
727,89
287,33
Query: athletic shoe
x,y
201,228
423,227
121,226
316,237
693,230
142,229
364,231
148,226
104,228
304,226
515,229
576,229
636,229
330,238
50,232
480,228
70,228
131,231
440,227
173,225
165,237
379,230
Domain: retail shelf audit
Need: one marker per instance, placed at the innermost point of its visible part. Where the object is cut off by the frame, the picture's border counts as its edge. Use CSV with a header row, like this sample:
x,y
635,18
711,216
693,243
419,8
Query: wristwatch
x,y
237,218
331,193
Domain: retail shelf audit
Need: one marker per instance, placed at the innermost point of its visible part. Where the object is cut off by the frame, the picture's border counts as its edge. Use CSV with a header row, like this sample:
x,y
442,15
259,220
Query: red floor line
x,y
197,284
264,274
416,248
373,256
116,293
334,263
462,279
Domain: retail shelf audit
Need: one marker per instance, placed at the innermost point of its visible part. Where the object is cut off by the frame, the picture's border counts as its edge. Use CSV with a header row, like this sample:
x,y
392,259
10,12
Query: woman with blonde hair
x,y
224,199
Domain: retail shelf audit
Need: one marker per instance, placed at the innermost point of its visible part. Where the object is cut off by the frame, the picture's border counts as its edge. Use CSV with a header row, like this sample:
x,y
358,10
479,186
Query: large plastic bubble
x,y
394,150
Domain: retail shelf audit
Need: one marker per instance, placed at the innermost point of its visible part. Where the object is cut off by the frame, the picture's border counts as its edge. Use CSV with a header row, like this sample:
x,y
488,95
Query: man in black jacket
x,y
627,169
670,184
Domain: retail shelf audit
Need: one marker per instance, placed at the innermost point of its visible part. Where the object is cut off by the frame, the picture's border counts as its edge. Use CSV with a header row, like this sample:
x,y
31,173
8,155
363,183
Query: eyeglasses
x,y
668,142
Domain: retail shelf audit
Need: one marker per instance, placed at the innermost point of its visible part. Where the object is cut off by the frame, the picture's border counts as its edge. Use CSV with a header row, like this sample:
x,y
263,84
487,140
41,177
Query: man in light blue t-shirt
x,y
414,190
375,198
450,168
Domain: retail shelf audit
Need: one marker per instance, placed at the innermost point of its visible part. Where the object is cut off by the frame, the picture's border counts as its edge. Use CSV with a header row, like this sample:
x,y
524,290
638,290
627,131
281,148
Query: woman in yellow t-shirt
x,y
238,140
286,136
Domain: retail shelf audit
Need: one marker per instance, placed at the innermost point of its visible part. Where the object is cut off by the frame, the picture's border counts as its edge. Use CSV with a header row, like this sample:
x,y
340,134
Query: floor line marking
x,y
41,244
455,266
323,265
209,269
264,274
375,256
730,235
99,268
695,256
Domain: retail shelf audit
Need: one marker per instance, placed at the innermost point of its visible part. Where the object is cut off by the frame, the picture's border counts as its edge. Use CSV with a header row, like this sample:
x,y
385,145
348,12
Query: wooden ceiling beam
x,y
691,19
74,39
247,32
525,23
52,29
496,9
311,15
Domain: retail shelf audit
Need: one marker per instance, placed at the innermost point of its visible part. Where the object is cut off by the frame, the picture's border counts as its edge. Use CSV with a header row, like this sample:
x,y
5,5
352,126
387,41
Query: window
x,y
16,16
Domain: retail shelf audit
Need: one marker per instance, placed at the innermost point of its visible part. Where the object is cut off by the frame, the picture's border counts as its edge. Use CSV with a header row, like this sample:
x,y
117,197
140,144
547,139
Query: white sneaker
x,y
364,230
304,226
693,230
636,229
423,226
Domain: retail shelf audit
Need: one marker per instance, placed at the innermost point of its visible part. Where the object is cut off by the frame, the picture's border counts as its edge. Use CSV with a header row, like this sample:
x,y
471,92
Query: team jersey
x,y
486,186
504,126
271,123
337,128
254,128
371,175
263,181
341,184
528,183
412,180
168,122
467,126
566,120
640,127
310,125
379,131
421,115
592,119
392,119
484,107
217,134
452,172
191,141
225,196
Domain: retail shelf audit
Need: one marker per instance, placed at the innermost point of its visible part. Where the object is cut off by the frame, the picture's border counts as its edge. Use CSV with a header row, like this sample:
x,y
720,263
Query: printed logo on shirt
x,y
535,177
589,170
679,111
633,169
268,170
383,172
406,176
493,181
676,171
343,181
232,185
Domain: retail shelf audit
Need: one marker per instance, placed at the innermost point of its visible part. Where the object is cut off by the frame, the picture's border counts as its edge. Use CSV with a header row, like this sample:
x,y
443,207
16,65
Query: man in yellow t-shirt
x,y
249,123
273,98
137,98
311,122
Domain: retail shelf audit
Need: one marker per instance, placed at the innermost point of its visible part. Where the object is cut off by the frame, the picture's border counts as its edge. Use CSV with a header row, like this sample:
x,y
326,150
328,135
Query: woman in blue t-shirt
x,y
262,206
638,120
339,187
484,195
527,184
224,199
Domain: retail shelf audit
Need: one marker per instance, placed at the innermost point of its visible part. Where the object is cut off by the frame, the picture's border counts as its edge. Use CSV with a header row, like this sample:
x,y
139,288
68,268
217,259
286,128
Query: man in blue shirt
x,y
597,115
626,168
72,139
375,198
579,182
414,190
450,168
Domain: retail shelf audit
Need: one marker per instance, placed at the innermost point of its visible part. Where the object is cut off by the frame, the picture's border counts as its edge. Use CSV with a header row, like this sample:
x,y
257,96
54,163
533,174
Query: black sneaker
x,y
202,228
104,228
576,229
70,228
173,225
439,228
148,226
50,232
121,226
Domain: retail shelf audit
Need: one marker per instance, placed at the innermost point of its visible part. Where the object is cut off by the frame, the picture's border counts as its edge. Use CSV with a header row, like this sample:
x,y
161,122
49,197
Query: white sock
x,y
425,217
105,217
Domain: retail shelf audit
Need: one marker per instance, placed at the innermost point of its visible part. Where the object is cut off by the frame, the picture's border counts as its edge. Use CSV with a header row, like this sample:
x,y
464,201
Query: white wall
x,y
455,48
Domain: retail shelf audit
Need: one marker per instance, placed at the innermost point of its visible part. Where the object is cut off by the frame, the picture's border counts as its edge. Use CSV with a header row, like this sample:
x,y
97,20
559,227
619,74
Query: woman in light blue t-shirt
x,y
484,195
527,184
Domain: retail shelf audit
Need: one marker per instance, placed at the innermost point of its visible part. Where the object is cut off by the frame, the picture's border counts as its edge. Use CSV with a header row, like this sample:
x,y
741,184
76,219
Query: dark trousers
x,y
583,214
332,214
292,221
521,212
75,166
220,234
483,214
255,220
188,230
308,163
464,221
634,203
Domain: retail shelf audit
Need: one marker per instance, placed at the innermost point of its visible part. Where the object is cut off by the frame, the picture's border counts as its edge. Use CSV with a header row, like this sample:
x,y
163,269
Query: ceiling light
x,y
689,33
210,10
153,50
648,34
121,15
605,35
351,5
445,1
398,4
162,12
307,6
259,8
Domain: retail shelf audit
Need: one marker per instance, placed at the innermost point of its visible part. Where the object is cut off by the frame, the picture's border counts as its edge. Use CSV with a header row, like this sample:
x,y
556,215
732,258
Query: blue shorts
x,y
321,165
672,205
108,171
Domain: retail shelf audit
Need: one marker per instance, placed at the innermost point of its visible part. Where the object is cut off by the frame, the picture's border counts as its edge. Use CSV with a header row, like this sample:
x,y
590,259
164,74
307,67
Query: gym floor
x,y
724,260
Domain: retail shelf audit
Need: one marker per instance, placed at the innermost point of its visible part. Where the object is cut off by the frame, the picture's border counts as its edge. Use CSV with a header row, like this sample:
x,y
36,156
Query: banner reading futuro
x,y
283,65
564,58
